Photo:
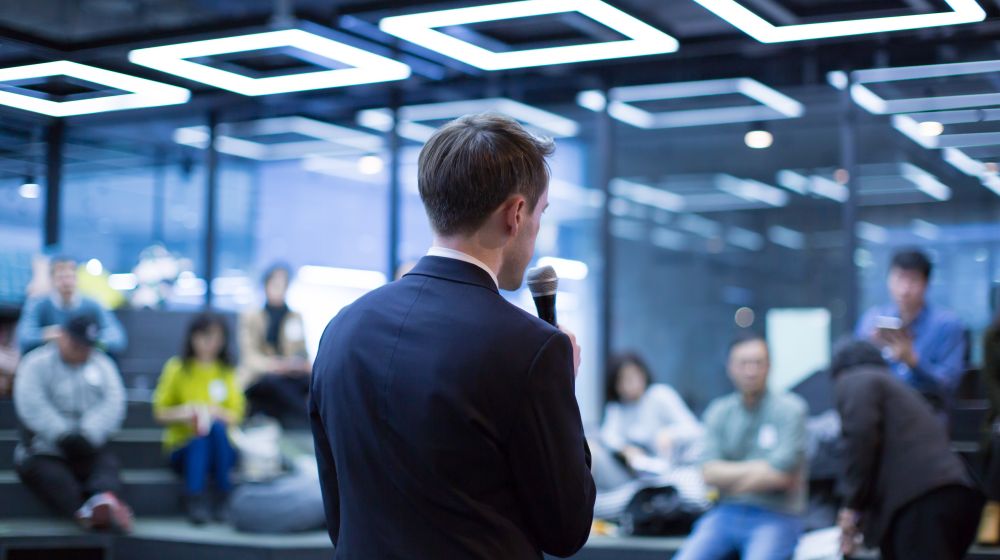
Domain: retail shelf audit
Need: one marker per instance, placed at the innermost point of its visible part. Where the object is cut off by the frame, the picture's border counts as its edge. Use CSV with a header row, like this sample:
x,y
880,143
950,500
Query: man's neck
x,y
66,300
751,400
490,257
910,315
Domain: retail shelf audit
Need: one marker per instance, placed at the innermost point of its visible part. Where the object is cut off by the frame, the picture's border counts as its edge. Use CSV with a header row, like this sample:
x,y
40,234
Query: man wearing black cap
x,y
69,399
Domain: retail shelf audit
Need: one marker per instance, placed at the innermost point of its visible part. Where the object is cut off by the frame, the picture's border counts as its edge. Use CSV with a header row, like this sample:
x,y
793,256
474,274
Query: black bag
x,y
659,512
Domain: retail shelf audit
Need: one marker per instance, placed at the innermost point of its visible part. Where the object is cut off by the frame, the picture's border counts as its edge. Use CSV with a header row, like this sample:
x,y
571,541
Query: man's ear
x,y
513,212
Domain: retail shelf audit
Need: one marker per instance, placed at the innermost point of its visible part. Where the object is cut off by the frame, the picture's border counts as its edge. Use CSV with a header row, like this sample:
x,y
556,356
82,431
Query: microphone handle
x,y
546,306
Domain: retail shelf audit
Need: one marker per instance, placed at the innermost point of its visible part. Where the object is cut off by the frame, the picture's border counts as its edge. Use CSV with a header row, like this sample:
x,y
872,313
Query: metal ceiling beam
x,y
776,12
920,5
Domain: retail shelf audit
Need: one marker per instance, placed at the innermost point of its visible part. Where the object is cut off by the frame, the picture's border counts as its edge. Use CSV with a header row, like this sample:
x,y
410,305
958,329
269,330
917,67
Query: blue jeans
x,y
754,532
208,454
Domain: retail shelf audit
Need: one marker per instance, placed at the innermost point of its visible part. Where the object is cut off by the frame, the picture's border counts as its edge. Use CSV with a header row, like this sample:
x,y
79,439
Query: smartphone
x,y
884,323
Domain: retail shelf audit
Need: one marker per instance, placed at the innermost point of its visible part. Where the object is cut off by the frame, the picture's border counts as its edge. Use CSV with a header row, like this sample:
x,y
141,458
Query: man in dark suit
x,y
444,417
906,490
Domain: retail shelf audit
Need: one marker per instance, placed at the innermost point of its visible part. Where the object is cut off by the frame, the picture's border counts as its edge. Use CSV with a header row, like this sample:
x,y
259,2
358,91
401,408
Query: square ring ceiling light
x,y
876,104
987,173
962,11
141,92
929,129
325,138
411,117
423,29
363,67
772,103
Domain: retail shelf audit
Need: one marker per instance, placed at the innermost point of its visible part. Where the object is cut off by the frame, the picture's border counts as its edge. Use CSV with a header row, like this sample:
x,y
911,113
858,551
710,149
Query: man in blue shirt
x,y
43,316
925,345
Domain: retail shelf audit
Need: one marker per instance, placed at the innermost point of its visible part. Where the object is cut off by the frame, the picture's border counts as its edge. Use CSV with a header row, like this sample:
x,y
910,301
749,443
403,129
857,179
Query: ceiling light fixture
x,y
772,104
423,29
411,117
141,92
325,138
874,103
962,11
758,138
363,67
30,190
920,127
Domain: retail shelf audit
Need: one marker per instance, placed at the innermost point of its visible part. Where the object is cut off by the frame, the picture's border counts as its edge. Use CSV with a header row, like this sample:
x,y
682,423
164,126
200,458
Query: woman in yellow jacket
x,y
198,400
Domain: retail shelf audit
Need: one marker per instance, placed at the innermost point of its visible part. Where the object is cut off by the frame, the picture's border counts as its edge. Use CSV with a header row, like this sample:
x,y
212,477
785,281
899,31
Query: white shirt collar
x,y
447,253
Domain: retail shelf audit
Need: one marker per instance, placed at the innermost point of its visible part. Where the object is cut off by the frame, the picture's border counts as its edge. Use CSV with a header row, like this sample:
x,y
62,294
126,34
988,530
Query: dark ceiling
x,y
101,32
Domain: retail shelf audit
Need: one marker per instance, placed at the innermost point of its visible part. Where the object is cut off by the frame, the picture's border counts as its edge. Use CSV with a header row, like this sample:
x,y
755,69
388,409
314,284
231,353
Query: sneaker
x,y
120,514
94,514
103,512
198,510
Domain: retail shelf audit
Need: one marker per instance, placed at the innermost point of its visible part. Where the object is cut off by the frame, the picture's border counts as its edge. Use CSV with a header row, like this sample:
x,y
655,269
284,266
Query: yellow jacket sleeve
x,y
165,396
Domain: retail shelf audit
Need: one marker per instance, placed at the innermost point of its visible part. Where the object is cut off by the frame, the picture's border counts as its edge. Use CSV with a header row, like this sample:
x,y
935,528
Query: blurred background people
x,y
199,400
924,344
906,491
69,400
755,456
990,528
646,427
43,315
274,366
9,357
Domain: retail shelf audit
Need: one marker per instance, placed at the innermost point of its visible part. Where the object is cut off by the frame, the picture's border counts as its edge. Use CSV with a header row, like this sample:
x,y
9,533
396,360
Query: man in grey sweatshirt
x,y
69,400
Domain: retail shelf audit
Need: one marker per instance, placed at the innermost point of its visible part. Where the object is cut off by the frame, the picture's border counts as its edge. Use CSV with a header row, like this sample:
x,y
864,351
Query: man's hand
x,y
75,446
51,333
222,414
665,442
900,344
850,535
632,453
289,366
576,348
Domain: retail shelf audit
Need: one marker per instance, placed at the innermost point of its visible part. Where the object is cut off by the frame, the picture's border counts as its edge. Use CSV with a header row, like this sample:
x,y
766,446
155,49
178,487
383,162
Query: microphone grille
x,y
543,281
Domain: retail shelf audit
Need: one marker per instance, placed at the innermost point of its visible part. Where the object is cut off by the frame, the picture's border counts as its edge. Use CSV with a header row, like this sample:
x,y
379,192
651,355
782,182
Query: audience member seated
x,y
9,356
199,400
274,367
43,314
906,490
755,456
924,344
69,399
647,427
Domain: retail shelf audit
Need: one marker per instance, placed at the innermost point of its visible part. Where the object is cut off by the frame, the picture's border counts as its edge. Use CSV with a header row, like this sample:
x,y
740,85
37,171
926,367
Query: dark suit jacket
x,y
446,424
897,448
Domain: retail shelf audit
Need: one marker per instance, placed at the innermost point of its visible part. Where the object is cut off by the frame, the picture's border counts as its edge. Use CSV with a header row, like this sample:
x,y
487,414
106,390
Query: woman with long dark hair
x,y
198,400
647,427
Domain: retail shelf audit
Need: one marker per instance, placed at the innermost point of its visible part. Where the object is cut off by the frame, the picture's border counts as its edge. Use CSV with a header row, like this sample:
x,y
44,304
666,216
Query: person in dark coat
x,y
445,419
906,492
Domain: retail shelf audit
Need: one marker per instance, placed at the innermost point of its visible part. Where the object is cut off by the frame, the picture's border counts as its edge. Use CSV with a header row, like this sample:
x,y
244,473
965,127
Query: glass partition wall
x,y
690,197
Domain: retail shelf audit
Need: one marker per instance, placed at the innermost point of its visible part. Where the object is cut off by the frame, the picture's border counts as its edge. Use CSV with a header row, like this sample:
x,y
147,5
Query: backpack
x,y
659,511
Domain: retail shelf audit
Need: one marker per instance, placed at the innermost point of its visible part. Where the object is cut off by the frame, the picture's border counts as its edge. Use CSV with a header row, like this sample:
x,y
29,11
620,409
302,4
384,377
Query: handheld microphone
x,y
543,283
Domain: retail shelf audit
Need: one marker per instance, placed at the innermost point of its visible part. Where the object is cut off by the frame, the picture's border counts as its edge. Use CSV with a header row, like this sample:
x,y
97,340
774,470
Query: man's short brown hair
x,y
476,162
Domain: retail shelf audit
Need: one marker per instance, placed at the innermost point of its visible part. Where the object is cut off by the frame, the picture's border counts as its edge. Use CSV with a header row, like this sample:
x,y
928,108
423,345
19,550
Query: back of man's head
x,y
850,353
475,163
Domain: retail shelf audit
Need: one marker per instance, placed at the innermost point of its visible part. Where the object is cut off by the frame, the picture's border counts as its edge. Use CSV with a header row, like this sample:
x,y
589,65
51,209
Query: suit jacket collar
x,y
454,270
